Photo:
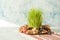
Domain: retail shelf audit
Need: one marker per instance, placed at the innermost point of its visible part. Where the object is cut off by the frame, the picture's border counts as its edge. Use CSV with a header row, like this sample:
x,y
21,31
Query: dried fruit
x,y
29,28
29,32
44,29
35,31
23,29
49,32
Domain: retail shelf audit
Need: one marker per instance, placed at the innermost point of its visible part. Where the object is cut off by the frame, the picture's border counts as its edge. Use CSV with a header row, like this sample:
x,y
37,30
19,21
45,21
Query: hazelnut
x,y
29,32
35,31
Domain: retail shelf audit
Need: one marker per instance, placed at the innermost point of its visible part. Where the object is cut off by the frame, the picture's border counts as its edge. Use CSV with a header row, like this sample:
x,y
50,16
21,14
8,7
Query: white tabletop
x,y
8,31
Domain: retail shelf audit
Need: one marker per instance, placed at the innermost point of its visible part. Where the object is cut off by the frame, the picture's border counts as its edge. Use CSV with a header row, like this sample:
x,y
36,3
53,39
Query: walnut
x,y
45,29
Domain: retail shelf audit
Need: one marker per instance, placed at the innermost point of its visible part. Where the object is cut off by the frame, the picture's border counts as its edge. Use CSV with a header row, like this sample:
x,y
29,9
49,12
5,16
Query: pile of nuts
x,y
44,29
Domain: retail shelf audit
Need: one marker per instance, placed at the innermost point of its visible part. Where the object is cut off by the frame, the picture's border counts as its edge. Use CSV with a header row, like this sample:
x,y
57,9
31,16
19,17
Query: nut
x,y
35,31
29,32
22,29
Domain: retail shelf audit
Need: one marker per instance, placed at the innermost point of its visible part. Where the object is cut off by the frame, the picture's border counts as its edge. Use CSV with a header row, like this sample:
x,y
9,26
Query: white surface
x,y
8,31
7,24
13,34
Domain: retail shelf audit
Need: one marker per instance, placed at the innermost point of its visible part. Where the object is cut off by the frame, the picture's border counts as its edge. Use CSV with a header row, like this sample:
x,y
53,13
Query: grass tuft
x,y
34,17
